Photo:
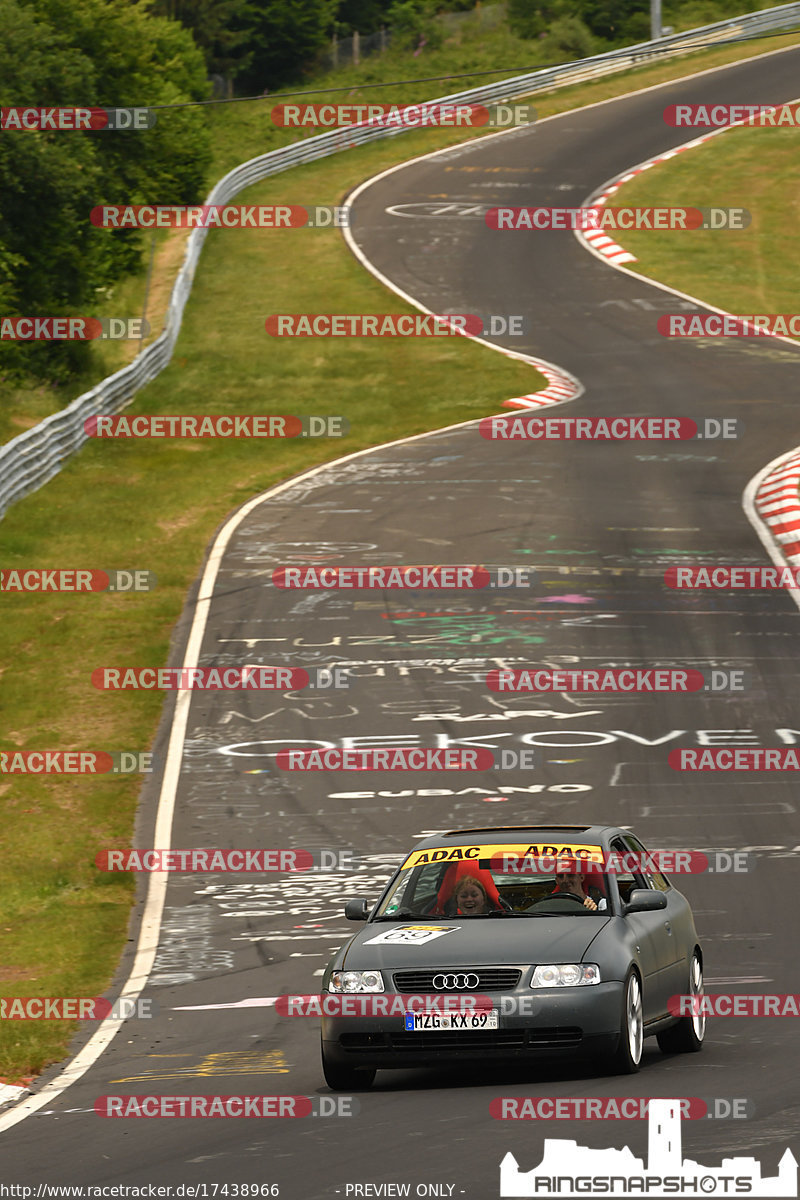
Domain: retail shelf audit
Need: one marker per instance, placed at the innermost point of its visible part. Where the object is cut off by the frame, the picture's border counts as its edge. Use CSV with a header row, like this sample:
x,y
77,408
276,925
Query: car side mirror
x,y
357,909
642,900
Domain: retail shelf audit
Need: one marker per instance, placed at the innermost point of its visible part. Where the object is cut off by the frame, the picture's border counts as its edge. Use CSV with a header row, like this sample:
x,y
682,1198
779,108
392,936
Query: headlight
x,y
565,975
356,981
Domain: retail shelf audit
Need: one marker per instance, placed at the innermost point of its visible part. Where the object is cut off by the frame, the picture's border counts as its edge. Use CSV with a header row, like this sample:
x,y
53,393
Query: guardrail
x,y
34,457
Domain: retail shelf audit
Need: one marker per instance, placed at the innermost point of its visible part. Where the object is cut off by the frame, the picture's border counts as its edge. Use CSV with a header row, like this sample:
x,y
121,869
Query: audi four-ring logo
x,y
455,983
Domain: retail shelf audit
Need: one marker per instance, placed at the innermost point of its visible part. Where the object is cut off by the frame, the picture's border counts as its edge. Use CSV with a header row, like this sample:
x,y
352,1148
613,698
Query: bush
x,y
569,38
412,22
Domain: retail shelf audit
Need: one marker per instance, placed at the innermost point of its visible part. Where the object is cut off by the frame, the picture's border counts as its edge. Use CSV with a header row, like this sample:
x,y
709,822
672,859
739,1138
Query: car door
x,y
672,950
648,929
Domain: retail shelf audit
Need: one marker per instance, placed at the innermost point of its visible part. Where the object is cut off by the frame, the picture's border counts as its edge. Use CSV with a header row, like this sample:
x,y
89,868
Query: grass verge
x,y
749,270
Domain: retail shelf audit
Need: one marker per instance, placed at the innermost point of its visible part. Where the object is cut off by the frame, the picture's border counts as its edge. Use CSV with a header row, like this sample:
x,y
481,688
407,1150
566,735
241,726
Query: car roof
x,y
587,834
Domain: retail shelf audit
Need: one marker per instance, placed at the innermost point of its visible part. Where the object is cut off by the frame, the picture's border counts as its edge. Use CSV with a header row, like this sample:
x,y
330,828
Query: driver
x,y
570,883
470,897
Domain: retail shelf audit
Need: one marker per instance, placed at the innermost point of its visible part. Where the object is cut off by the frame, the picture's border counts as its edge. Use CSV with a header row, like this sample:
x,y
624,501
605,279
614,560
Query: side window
x,y
627,881
656,878
426,883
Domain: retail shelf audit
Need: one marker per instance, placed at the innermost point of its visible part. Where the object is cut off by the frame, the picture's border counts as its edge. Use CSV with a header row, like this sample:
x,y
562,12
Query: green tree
x,y
100,53
617,20
531,18
414,21
569,38
286,37
221,28
364,15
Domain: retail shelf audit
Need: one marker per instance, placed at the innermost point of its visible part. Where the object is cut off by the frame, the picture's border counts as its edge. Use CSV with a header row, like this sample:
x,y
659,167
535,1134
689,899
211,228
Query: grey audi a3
x,y
514,943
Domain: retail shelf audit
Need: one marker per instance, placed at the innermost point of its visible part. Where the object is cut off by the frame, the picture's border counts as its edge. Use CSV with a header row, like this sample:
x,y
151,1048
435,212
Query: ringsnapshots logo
x,y
406,116
394,325
73,329
604,219
220,216
46,118
568,1169
608,429
220,425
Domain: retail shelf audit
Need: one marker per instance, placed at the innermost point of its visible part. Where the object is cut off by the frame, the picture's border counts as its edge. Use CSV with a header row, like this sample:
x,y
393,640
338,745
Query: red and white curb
x,y
561,386
597,239
777,502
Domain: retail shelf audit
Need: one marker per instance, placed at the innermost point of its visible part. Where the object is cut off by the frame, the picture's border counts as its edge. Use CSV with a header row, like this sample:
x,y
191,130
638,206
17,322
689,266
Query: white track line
x,y
150,926
151,918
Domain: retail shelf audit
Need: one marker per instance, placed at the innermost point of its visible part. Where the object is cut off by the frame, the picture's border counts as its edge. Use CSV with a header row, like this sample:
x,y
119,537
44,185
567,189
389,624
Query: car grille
x,y
490,979
558,1037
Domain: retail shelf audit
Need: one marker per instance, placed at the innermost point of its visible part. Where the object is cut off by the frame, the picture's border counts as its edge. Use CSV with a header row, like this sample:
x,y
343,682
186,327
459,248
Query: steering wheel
x,y
566,896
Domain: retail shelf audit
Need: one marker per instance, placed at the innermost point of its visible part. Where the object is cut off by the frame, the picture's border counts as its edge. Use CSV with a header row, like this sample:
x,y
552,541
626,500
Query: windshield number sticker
x,y
412,935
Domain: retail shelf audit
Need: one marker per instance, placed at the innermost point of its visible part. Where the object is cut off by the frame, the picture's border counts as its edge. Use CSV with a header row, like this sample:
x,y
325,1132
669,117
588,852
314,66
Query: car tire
x,y
627,1057
686,1036
345,1079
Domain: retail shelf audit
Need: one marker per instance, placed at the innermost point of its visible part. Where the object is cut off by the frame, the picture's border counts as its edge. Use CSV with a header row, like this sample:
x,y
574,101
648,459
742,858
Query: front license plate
x,y
419,1022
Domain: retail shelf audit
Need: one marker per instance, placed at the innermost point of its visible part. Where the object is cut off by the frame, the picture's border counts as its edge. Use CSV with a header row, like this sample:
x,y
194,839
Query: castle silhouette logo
x,y
568,1169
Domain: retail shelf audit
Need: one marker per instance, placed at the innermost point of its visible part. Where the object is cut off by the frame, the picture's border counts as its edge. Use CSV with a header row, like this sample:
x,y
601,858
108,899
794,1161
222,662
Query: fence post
x,y
356,47
335,50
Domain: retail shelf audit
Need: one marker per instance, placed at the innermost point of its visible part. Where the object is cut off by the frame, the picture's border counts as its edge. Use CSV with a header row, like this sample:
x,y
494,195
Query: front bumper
x,y
532,1024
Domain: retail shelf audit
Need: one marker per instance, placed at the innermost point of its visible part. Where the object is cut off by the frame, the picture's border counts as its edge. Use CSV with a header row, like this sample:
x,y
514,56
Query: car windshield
x,y
482,888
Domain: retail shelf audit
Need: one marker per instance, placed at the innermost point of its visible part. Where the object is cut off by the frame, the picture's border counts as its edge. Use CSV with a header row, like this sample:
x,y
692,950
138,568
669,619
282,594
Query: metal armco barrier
x,y
33,458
